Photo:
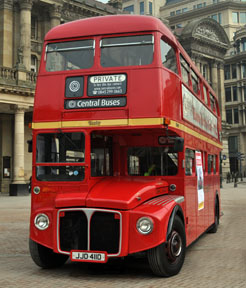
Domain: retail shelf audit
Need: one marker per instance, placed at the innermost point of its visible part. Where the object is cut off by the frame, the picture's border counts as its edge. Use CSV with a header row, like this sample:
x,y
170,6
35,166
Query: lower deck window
x,y
152,161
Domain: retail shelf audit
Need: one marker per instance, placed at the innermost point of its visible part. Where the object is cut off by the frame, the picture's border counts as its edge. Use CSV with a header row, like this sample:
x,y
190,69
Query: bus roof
x,y
108,25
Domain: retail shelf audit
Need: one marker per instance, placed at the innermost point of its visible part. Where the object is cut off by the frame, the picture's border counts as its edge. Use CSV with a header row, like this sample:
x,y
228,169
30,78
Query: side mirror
x,y
29,143
178,144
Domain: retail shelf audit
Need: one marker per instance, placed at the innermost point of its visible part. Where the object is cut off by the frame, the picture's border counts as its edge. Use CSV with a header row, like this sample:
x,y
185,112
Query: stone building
x,y
231,15
143,7
23,25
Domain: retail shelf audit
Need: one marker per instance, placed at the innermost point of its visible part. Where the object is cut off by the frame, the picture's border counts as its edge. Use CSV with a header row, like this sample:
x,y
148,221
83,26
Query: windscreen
x,y
70,55
60,148
127,51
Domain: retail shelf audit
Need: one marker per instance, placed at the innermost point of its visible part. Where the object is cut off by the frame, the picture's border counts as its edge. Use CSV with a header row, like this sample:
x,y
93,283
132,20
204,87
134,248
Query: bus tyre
x,y
215,226
45,257
167,259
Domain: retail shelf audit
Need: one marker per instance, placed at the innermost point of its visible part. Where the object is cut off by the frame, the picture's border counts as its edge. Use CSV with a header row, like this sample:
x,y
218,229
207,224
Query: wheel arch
x,y
177,210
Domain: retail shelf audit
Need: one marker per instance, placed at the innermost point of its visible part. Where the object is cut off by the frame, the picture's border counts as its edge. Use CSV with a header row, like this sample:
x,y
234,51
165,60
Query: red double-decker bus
x,y
126,145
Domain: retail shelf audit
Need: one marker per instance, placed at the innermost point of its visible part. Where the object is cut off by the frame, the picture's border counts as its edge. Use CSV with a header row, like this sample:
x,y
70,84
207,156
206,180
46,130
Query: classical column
x,y
221,91
225,127
6,33
25,31
19,146
215,77
55,15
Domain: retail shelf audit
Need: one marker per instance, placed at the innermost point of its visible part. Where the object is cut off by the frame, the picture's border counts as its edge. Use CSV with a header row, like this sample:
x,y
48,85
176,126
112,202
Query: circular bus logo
x,y
72,104
74,86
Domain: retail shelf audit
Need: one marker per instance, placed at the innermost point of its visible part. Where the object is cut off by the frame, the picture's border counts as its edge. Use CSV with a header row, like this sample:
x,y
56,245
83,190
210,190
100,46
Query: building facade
x,y
143,7
23,25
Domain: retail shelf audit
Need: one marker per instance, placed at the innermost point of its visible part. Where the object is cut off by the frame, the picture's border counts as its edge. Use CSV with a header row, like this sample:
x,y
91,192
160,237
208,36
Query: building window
x,y
34,28
244,70
172,13
227,71
150,8
234,88
199,5
229,116
34,63
244,44
228,94
220,18
234,71
141,8
233,144
236,119
184,10
242,17
235,17
244,90
179,25
129,9
205,71
178,12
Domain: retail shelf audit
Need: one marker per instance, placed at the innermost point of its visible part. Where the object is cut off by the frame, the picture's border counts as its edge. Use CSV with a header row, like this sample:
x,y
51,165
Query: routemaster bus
x,y
126,145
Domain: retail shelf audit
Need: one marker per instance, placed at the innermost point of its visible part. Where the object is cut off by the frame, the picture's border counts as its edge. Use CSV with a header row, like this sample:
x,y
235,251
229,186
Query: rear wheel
x,y
167,259
45,257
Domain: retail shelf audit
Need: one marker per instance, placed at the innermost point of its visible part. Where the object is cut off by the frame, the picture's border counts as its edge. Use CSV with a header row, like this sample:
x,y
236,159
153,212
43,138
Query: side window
x,y
189,161
210,163
215,164
185,70
205,95
195,82
212,101
168,57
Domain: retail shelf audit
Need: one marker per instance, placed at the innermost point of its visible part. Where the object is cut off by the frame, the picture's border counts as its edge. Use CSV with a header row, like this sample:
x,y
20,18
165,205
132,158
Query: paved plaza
x,y
215,260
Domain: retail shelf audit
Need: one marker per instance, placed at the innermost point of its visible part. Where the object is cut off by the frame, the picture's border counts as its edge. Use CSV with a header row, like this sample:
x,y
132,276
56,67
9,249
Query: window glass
x,y
227,71
70,55
210,163
205,95
228,94
127,51
195,82
101,155
189,161
234,93
235,17
212,101
168,56
184,70
229,116
234,71
236,119
60,148
129,8
152,161
242,17
150,8
215,163
141,8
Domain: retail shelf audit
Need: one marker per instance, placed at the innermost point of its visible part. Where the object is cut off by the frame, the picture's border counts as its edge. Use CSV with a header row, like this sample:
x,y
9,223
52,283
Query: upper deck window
x,y
127,51
168,56
70,55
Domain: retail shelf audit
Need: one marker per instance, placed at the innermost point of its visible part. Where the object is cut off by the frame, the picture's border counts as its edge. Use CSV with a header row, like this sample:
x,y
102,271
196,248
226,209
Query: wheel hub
x,y
174,246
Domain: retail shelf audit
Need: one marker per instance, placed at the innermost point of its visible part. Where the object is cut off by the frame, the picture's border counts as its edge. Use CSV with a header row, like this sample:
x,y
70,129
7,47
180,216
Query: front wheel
x,y
167,259
45,257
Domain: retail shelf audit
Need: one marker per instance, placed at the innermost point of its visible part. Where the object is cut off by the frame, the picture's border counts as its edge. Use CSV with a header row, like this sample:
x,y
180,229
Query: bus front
x,y
105,167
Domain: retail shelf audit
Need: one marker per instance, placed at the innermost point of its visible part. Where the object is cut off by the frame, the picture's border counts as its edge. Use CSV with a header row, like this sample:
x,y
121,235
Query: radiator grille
x,y
88,229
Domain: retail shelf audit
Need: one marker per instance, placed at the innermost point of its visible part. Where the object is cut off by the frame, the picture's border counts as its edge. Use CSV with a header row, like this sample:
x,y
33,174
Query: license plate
x,y
85,256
